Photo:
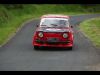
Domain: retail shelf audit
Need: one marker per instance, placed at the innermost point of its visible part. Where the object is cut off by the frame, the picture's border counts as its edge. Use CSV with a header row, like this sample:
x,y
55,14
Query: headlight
x,y
40,34
65,35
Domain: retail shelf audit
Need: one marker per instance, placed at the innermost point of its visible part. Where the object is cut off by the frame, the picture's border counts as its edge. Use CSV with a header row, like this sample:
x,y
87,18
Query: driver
x,y
62,23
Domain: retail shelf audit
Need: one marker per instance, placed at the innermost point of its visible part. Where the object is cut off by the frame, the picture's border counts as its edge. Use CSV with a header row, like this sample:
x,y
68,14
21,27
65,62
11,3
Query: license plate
x,y
52,39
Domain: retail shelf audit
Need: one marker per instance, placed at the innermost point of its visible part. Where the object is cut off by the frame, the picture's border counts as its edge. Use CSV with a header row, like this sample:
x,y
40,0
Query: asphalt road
x,y
18,54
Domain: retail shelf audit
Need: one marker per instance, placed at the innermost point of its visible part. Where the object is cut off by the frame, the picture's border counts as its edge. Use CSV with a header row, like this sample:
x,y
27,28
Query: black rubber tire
x,y
70,48
36,47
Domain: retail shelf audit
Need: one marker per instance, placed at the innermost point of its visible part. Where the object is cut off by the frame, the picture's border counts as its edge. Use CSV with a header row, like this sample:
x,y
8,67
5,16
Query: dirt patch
x,y
94,67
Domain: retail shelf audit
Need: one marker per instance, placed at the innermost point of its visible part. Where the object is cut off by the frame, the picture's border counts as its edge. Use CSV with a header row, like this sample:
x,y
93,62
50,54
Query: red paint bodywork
x,y
55,35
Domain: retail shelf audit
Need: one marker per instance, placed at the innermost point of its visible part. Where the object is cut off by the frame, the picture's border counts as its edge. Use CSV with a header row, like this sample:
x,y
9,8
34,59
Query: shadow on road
x,y
53,49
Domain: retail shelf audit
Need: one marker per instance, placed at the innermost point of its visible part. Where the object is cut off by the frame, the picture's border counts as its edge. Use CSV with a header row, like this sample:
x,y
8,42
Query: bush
x,y
13,6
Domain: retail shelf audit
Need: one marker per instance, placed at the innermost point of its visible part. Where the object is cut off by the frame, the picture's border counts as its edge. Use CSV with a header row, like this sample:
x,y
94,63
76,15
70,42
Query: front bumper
x,y
52,43
41,41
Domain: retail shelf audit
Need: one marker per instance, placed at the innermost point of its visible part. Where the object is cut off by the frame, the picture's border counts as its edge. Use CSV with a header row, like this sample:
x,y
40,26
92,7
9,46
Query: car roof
x,y
54,16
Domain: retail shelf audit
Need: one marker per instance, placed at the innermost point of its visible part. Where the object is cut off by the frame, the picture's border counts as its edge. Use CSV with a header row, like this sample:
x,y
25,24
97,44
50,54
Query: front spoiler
x,y
41,41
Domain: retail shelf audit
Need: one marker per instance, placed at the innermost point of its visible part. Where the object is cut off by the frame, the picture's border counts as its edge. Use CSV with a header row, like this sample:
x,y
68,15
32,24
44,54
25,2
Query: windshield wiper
x,y
54,24
44,25
60,27
47,26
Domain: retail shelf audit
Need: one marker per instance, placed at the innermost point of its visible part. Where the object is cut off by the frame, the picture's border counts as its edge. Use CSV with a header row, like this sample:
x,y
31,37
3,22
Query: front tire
x,y
70,48
36,47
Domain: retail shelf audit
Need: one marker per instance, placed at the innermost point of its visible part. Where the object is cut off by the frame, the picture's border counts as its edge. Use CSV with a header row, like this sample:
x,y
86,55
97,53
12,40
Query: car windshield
x,y
54,22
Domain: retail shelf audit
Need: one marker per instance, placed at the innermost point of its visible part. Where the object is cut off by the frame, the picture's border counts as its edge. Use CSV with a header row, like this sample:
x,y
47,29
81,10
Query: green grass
x,y
4,34
11,19
91,27
10,27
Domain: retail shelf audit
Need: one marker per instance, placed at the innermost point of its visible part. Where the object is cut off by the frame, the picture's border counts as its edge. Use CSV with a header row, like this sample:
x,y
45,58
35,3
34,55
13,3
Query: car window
x,y
54,22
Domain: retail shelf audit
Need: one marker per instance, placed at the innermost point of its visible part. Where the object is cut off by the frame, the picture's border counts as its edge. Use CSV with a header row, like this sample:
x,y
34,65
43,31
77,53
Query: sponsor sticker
x,y
53,29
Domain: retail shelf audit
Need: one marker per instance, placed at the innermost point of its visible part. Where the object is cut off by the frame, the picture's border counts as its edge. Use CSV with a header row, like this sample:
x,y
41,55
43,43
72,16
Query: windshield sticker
x,y
53,29
42,20
55,18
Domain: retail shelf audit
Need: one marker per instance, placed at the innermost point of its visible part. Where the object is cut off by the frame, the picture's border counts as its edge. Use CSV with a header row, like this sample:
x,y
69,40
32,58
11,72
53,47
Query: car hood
x,y
52,30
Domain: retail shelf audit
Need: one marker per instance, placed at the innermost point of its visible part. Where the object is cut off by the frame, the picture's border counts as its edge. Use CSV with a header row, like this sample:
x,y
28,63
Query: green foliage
x,y
3,15
91,27
13,6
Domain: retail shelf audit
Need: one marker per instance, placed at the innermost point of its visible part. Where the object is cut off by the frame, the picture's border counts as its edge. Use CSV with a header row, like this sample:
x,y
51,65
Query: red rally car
x,y
53,31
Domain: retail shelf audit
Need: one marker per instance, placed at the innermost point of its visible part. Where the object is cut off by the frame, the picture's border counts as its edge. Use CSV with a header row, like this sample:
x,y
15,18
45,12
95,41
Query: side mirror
x,y
71,26
37,25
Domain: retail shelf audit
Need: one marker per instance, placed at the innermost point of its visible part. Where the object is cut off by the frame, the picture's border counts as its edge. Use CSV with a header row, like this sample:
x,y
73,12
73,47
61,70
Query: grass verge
x,y
91,28
10,27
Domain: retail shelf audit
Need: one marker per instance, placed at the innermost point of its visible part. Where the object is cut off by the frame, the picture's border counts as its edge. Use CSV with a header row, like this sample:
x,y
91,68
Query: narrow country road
x,y
18,54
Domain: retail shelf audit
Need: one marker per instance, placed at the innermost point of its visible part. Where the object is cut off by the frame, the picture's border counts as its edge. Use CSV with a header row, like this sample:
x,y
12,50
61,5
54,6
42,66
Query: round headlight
x,y
65,35
40,34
